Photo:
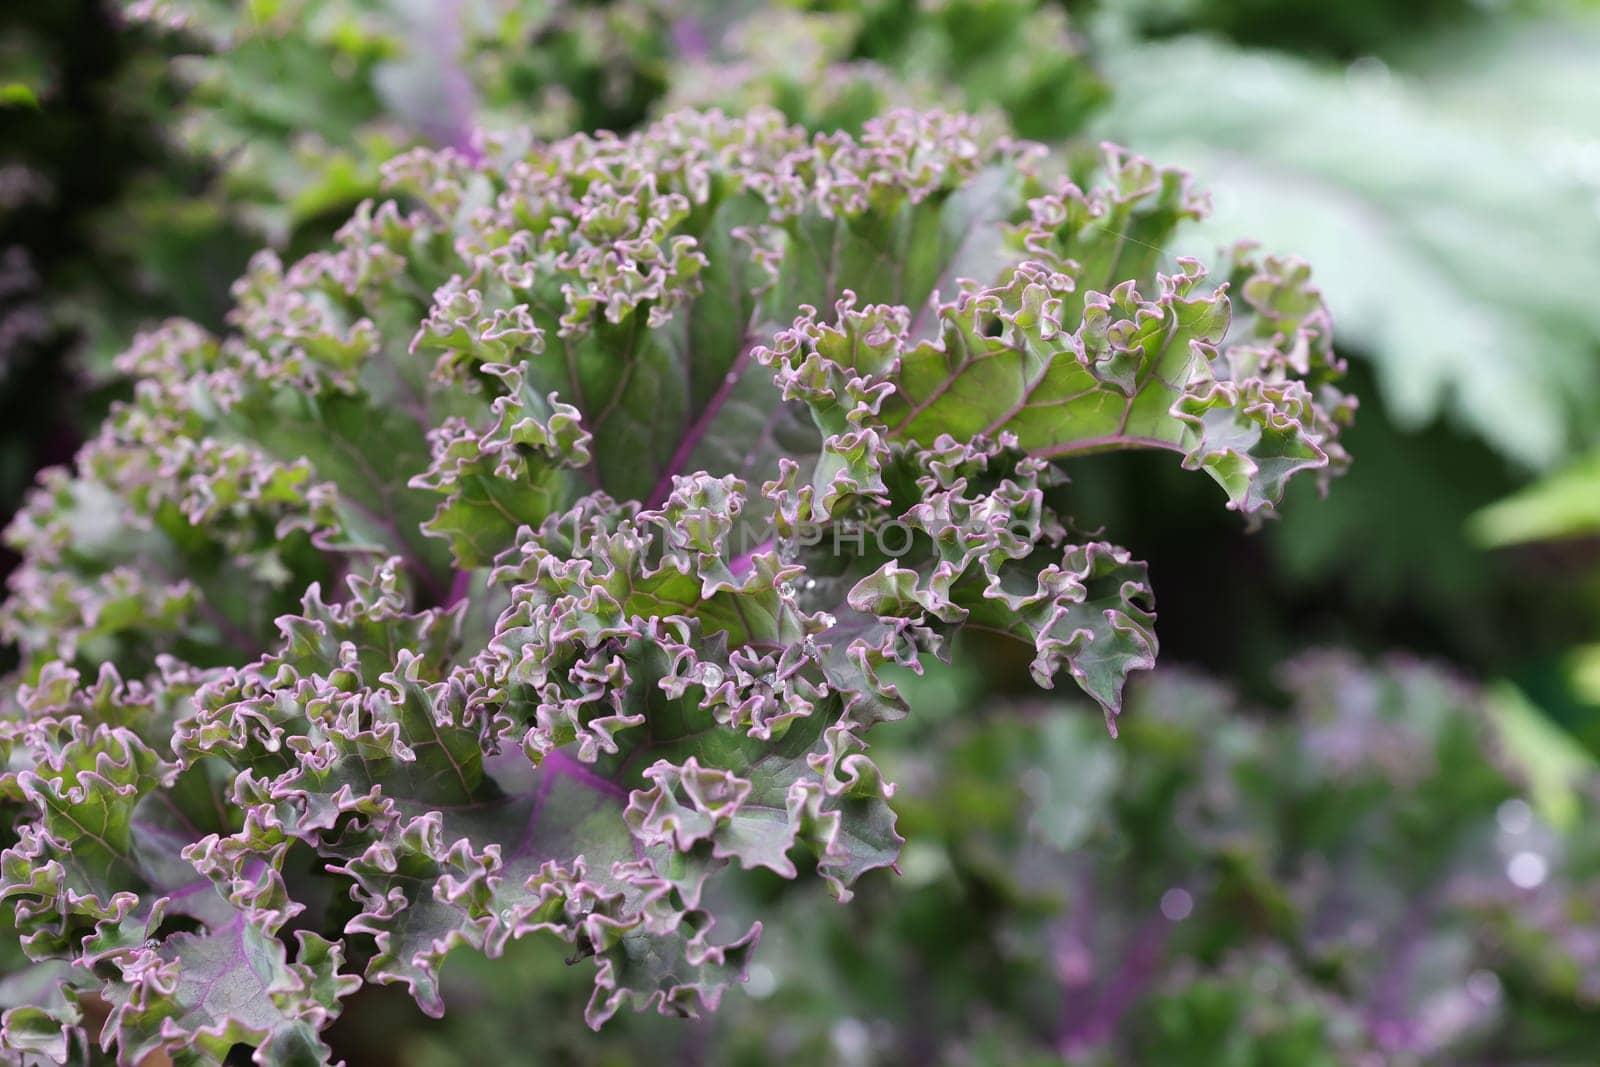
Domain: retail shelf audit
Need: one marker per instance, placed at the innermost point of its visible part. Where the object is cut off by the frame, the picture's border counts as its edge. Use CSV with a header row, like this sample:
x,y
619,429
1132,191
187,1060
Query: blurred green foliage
x,y
1320,30
1453,225
80,143
831,65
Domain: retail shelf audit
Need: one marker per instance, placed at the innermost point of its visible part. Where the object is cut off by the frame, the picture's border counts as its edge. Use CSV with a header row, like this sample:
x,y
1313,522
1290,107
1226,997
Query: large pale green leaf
x,y
1445,201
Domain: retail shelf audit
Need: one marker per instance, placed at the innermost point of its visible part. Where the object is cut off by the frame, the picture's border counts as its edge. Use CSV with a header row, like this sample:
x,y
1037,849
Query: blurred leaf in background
x,y
1558,517
296,103
830,65
300,100
1449,196
1565,503
78,134
1321,30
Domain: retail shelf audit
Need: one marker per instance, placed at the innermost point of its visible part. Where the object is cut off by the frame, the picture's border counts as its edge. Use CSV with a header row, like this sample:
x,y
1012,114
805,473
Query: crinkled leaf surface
x,y
541,555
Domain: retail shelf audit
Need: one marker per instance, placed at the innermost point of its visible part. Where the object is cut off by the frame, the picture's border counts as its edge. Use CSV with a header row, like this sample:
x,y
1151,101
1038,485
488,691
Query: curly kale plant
x,y
644,463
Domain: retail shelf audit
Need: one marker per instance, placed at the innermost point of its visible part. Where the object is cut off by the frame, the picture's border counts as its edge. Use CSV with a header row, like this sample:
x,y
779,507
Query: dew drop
x,y
1527,870
1514,816
852,1040
760,982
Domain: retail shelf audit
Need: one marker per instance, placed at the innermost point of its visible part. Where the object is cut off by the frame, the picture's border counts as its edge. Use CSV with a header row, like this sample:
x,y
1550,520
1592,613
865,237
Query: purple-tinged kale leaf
x,y
633,540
